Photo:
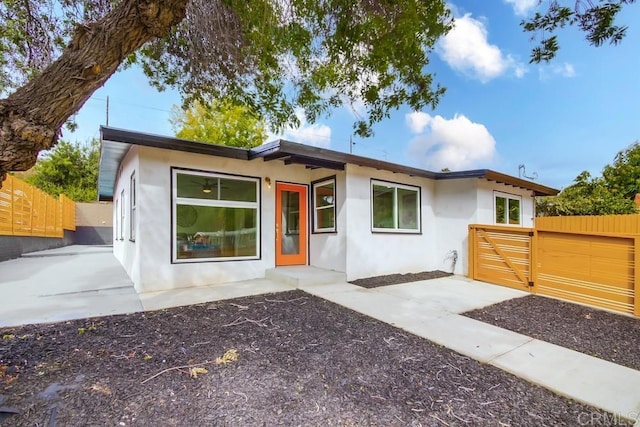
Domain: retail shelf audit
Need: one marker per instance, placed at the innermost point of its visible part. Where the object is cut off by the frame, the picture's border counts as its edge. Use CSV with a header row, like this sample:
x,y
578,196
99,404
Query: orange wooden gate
x,y
501,255
564,258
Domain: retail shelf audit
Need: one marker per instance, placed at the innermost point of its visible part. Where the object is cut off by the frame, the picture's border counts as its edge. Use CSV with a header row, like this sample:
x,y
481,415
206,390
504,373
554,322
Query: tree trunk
x,y
32,116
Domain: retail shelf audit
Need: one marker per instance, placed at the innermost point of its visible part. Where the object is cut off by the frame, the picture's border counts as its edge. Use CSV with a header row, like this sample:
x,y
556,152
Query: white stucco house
x,y
189,214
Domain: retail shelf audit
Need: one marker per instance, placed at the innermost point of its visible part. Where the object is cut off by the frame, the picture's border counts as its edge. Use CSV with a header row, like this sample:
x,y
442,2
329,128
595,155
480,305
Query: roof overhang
x,y
501,178
313,157
115,144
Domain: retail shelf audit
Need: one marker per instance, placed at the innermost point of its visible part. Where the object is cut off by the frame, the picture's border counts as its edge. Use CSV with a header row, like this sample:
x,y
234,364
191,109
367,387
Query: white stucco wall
x,y
126,251
155,207
456,207
371,254
447,208
486,202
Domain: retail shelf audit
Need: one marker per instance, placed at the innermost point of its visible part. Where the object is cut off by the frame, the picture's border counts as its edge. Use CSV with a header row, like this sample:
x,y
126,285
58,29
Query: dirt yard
x,y
281,359
395,279
609,336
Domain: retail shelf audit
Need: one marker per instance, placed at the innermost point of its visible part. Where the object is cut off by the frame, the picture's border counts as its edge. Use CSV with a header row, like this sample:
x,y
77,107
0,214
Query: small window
x,y
216,217
395,207
324,206
122,215
507,208
116,235
132,207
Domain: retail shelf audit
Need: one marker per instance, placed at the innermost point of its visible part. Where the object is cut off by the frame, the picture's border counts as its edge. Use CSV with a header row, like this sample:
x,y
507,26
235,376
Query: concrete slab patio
x,y
87,281
67,283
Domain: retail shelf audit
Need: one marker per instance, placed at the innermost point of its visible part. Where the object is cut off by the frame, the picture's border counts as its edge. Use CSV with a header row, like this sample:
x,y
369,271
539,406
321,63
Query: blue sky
x,y
499,111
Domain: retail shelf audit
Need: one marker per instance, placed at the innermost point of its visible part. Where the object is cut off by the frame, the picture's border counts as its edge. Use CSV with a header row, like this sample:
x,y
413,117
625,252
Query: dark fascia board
x,y
295,149
169,143
283,148
490,175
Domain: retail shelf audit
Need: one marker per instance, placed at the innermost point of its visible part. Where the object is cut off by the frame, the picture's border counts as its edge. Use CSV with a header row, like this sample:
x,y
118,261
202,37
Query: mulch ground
x,y
395,279
599,333
283,359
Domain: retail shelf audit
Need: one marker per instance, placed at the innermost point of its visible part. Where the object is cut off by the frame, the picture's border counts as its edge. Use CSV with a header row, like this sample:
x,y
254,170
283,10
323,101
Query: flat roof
x,y
116,142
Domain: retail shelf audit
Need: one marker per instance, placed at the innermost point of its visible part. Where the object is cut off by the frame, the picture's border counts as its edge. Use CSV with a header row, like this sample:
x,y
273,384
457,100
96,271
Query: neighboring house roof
x,y
116,143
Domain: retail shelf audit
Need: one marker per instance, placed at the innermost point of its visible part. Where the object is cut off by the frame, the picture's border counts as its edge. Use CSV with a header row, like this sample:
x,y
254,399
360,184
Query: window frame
x,y
122,215
396,186
132,207
257,205
507,197
314,216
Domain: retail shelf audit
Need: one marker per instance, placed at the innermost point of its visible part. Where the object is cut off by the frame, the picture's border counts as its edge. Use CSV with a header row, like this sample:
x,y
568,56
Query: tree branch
x,y
32,116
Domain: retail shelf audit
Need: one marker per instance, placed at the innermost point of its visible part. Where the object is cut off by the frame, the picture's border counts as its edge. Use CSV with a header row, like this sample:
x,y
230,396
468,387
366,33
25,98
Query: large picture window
x,y
324,206
215,217
507,208
395,207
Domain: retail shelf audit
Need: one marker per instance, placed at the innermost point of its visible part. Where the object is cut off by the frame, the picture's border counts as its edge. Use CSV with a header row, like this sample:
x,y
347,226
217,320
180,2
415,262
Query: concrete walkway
x,y
85,281
431,309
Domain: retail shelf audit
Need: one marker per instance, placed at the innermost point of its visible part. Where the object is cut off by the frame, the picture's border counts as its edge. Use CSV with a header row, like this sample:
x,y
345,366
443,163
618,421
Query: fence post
x,y
13,205
533,259
471,254
636,275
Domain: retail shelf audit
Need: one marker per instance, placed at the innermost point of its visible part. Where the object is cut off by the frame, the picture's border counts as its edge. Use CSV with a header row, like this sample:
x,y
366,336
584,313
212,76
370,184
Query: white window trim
x,y
175,201
117,218
122,215
507,196
317,229
395,185
133,196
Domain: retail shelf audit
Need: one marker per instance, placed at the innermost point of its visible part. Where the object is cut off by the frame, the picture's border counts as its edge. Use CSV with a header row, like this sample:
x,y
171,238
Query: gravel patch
x,y
599,333
281,359
395,279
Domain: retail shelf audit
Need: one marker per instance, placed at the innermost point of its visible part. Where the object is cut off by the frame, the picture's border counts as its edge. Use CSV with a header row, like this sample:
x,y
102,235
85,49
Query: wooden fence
x,y
28,211
590,260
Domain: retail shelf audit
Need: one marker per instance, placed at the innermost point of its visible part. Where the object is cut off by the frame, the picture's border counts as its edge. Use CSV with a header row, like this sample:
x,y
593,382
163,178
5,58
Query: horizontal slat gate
x,y
501,255
589,269
589,260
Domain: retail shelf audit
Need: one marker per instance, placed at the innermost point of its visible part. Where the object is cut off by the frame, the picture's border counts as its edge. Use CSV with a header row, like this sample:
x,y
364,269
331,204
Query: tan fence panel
x,y
616,224
28,211
22,204
501,255
68,213
6,207
589,269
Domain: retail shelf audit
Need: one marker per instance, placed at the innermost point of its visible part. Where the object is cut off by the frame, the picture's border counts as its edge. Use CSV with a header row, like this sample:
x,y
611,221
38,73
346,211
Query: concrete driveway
x,y
65,283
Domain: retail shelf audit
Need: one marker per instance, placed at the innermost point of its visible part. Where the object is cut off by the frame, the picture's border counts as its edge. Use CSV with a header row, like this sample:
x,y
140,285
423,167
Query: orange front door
x,y
291,224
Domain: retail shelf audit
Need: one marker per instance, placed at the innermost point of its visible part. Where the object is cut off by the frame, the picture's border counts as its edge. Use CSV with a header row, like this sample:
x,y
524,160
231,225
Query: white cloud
x,y
562,70
522,7
456,143
417,121
466,49
316,134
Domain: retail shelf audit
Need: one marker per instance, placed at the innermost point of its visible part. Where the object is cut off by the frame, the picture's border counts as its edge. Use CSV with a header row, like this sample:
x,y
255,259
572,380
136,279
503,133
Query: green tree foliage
x,y
69,169
595,18
622,178
586,196
273,56
219,122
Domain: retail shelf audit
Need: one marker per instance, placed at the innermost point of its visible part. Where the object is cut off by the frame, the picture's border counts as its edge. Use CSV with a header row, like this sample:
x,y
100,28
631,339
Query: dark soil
x,y
301,361
599,333
395,279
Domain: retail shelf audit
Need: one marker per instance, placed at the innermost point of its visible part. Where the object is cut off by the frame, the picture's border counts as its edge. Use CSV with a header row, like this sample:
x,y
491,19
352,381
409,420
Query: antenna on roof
x,y
522,173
